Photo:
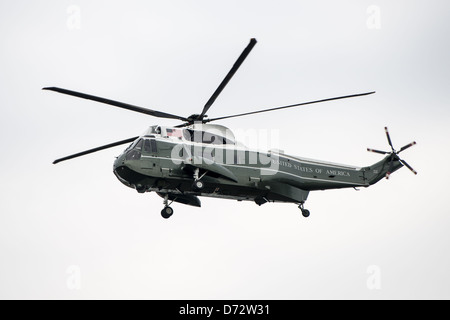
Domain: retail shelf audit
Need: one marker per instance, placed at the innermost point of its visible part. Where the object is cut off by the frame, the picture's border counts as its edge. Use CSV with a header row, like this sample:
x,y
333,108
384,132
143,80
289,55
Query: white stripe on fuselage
x,y
272,170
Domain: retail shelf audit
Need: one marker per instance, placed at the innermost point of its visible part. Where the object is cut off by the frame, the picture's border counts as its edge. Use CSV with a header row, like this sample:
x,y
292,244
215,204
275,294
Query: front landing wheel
x,y
167,212
198,185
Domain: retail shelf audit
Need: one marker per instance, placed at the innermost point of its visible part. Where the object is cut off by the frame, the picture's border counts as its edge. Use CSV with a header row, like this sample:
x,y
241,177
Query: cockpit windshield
x,y
136,150
143,145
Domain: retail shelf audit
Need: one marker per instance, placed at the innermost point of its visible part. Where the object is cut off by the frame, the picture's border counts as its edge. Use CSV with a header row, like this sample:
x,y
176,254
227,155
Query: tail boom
x,y
382,169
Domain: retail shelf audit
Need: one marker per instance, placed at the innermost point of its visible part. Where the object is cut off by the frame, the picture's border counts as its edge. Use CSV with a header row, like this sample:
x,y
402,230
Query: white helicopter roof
x,y
213,129
216,129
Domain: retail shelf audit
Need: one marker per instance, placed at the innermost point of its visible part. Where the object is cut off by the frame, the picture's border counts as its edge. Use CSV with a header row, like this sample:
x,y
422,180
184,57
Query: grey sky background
x,y
171,56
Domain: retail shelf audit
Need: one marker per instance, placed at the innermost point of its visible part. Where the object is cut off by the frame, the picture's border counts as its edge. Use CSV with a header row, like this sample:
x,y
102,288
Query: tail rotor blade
x,y
393,156
388,137
377,151
407,146
408,166
391,166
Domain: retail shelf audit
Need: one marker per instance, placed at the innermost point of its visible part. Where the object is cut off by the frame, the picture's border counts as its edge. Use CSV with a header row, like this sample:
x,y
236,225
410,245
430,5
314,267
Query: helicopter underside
x,y
213,187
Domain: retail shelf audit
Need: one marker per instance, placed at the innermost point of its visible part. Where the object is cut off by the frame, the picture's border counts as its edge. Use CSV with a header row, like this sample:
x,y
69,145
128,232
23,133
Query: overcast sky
x,y
73,231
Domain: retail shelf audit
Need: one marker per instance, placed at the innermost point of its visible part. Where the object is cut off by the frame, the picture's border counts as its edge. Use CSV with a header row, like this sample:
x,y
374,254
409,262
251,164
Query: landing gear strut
x,y
305,212
167,212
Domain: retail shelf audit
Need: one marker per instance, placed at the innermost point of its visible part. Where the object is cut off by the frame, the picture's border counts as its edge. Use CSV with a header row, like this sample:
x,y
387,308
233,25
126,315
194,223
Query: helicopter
x,y
198,159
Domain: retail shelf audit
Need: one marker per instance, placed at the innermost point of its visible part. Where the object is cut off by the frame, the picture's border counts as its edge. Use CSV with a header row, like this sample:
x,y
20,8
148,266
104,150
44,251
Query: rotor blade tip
x,y
50,88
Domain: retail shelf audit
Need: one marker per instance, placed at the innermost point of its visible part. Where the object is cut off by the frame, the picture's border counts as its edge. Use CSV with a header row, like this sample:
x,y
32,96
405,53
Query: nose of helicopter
x,y
121,170
120,161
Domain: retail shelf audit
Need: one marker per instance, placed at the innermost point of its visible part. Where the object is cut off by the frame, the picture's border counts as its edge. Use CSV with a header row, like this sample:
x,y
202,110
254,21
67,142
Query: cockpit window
x,y
147,146
138,145
135,152
129,147
150,146
133,145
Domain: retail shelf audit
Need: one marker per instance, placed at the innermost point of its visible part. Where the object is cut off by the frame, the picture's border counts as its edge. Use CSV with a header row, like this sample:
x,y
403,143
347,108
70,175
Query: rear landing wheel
x,y
305,213
167,212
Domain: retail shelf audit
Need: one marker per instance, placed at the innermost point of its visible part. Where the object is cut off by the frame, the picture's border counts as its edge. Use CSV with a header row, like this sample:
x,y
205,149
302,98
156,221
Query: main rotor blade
x,y
230,74
407,146
116,103
290,106
118,143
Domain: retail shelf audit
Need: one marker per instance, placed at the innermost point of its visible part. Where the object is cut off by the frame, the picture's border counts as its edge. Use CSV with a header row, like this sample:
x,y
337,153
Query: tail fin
x,y
382,169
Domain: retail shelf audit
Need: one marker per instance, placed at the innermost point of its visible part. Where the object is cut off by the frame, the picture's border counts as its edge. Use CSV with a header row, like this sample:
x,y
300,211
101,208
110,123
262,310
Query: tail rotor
x,y
394,154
